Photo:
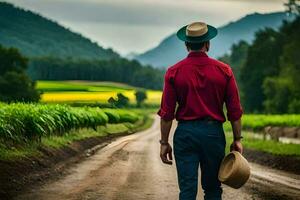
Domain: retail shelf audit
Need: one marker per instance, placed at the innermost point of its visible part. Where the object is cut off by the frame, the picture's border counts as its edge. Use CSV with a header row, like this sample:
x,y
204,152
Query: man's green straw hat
x,y
197,32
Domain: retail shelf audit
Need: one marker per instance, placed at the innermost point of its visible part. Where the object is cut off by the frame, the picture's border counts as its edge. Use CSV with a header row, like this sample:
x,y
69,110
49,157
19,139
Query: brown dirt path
x,y
130,168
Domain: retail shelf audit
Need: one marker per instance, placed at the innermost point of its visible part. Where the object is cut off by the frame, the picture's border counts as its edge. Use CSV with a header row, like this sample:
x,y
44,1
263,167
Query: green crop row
x,y
118,116
259,121
19,122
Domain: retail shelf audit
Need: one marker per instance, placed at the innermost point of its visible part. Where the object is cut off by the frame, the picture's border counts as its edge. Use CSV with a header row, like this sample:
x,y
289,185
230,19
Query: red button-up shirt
x,y
200,85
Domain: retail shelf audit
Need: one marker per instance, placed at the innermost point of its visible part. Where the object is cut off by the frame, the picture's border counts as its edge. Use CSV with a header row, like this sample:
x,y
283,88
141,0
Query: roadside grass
x,y
256,123
11,153
269,146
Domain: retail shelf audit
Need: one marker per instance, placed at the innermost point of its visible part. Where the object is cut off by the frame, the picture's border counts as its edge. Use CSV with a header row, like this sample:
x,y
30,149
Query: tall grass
x,y
22,122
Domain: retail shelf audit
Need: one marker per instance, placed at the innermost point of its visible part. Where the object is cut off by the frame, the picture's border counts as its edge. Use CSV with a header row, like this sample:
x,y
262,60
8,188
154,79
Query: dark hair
x,y
194,46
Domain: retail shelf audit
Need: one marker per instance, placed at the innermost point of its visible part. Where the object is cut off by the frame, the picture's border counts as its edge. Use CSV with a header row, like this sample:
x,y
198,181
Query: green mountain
x,y
171,50
37,36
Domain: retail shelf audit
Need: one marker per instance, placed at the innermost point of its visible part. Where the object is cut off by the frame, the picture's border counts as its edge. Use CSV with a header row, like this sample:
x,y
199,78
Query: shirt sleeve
x,y
168,101
232,100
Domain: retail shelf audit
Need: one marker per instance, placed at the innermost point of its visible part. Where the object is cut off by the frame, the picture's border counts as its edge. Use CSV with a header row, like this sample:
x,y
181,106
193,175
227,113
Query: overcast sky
x,y
138,25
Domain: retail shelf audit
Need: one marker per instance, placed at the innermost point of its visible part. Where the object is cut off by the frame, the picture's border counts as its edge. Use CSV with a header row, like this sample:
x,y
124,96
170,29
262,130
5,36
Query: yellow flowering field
x,y
87,91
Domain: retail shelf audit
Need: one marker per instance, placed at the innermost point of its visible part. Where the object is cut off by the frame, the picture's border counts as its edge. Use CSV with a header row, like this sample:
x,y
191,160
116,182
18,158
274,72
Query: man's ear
x,y
187,48
207,45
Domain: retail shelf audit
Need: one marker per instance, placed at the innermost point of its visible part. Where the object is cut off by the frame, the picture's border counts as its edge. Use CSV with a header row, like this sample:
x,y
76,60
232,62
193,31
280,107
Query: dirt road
x,y
130,169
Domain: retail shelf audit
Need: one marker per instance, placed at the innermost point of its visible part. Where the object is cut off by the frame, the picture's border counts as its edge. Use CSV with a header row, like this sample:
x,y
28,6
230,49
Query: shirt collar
x,y
197,54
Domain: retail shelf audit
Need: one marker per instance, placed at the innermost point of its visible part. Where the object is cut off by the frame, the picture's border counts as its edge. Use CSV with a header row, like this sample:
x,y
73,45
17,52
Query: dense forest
x,y
267,70
117,70
36,36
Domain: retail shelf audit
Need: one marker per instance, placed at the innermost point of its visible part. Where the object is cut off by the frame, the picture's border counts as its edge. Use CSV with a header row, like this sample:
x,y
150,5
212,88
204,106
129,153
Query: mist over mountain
x,y
171,50
37,36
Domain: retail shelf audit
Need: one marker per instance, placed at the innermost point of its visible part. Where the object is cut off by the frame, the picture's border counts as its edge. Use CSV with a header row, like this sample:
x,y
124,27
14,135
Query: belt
x,y
204,119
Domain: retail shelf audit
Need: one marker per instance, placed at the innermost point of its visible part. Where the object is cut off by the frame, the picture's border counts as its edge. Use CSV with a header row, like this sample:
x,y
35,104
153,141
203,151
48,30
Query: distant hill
x,y
37,36
171,50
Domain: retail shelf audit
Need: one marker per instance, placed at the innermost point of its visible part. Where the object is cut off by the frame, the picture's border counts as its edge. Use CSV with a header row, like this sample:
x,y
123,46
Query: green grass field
x,y
90,91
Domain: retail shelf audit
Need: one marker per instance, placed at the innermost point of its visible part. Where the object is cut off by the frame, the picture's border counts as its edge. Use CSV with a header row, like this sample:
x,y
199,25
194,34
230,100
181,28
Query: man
x,y
200,86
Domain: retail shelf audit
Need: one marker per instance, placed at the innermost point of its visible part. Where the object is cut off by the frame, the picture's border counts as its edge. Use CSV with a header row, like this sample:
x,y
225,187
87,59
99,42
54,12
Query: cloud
x,y
148,21
151,12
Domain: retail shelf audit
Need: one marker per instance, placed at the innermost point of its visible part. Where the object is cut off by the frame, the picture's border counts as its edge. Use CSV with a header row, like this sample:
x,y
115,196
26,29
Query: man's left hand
x,y
166,153
236,146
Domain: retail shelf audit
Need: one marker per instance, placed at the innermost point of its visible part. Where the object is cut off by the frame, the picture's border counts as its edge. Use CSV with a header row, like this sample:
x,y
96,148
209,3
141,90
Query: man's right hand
x,y
236,146
165,153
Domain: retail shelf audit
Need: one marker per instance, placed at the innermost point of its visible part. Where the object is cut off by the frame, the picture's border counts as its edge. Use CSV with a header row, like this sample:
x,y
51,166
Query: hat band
x,y
198,37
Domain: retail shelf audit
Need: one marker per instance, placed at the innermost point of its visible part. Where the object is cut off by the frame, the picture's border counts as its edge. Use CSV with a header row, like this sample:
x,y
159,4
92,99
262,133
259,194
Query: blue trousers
x,y
199,143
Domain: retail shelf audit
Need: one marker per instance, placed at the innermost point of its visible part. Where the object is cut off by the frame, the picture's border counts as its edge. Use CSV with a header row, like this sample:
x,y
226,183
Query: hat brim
x,y
211,33
234,170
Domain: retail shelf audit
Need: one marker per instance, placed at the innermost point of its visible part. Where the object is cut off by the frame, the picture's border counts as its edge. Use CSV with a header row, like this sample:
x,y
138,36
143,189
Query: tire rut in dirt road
x,y
130,168
274,184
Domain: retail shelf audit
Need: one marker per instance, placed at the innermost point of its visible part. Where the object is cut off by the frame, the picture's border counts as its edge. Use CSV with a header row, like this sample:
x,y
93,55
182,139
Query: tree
x,y
112,102
283,91
140,97
268,70
277,94
120,102
236,59
293,7
15,85
262,61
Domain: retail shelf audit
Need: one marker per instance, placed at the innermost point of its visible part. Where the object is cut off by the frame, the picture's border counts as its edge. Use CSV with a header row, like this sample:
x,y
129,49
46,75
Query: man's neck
x,y
198,51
